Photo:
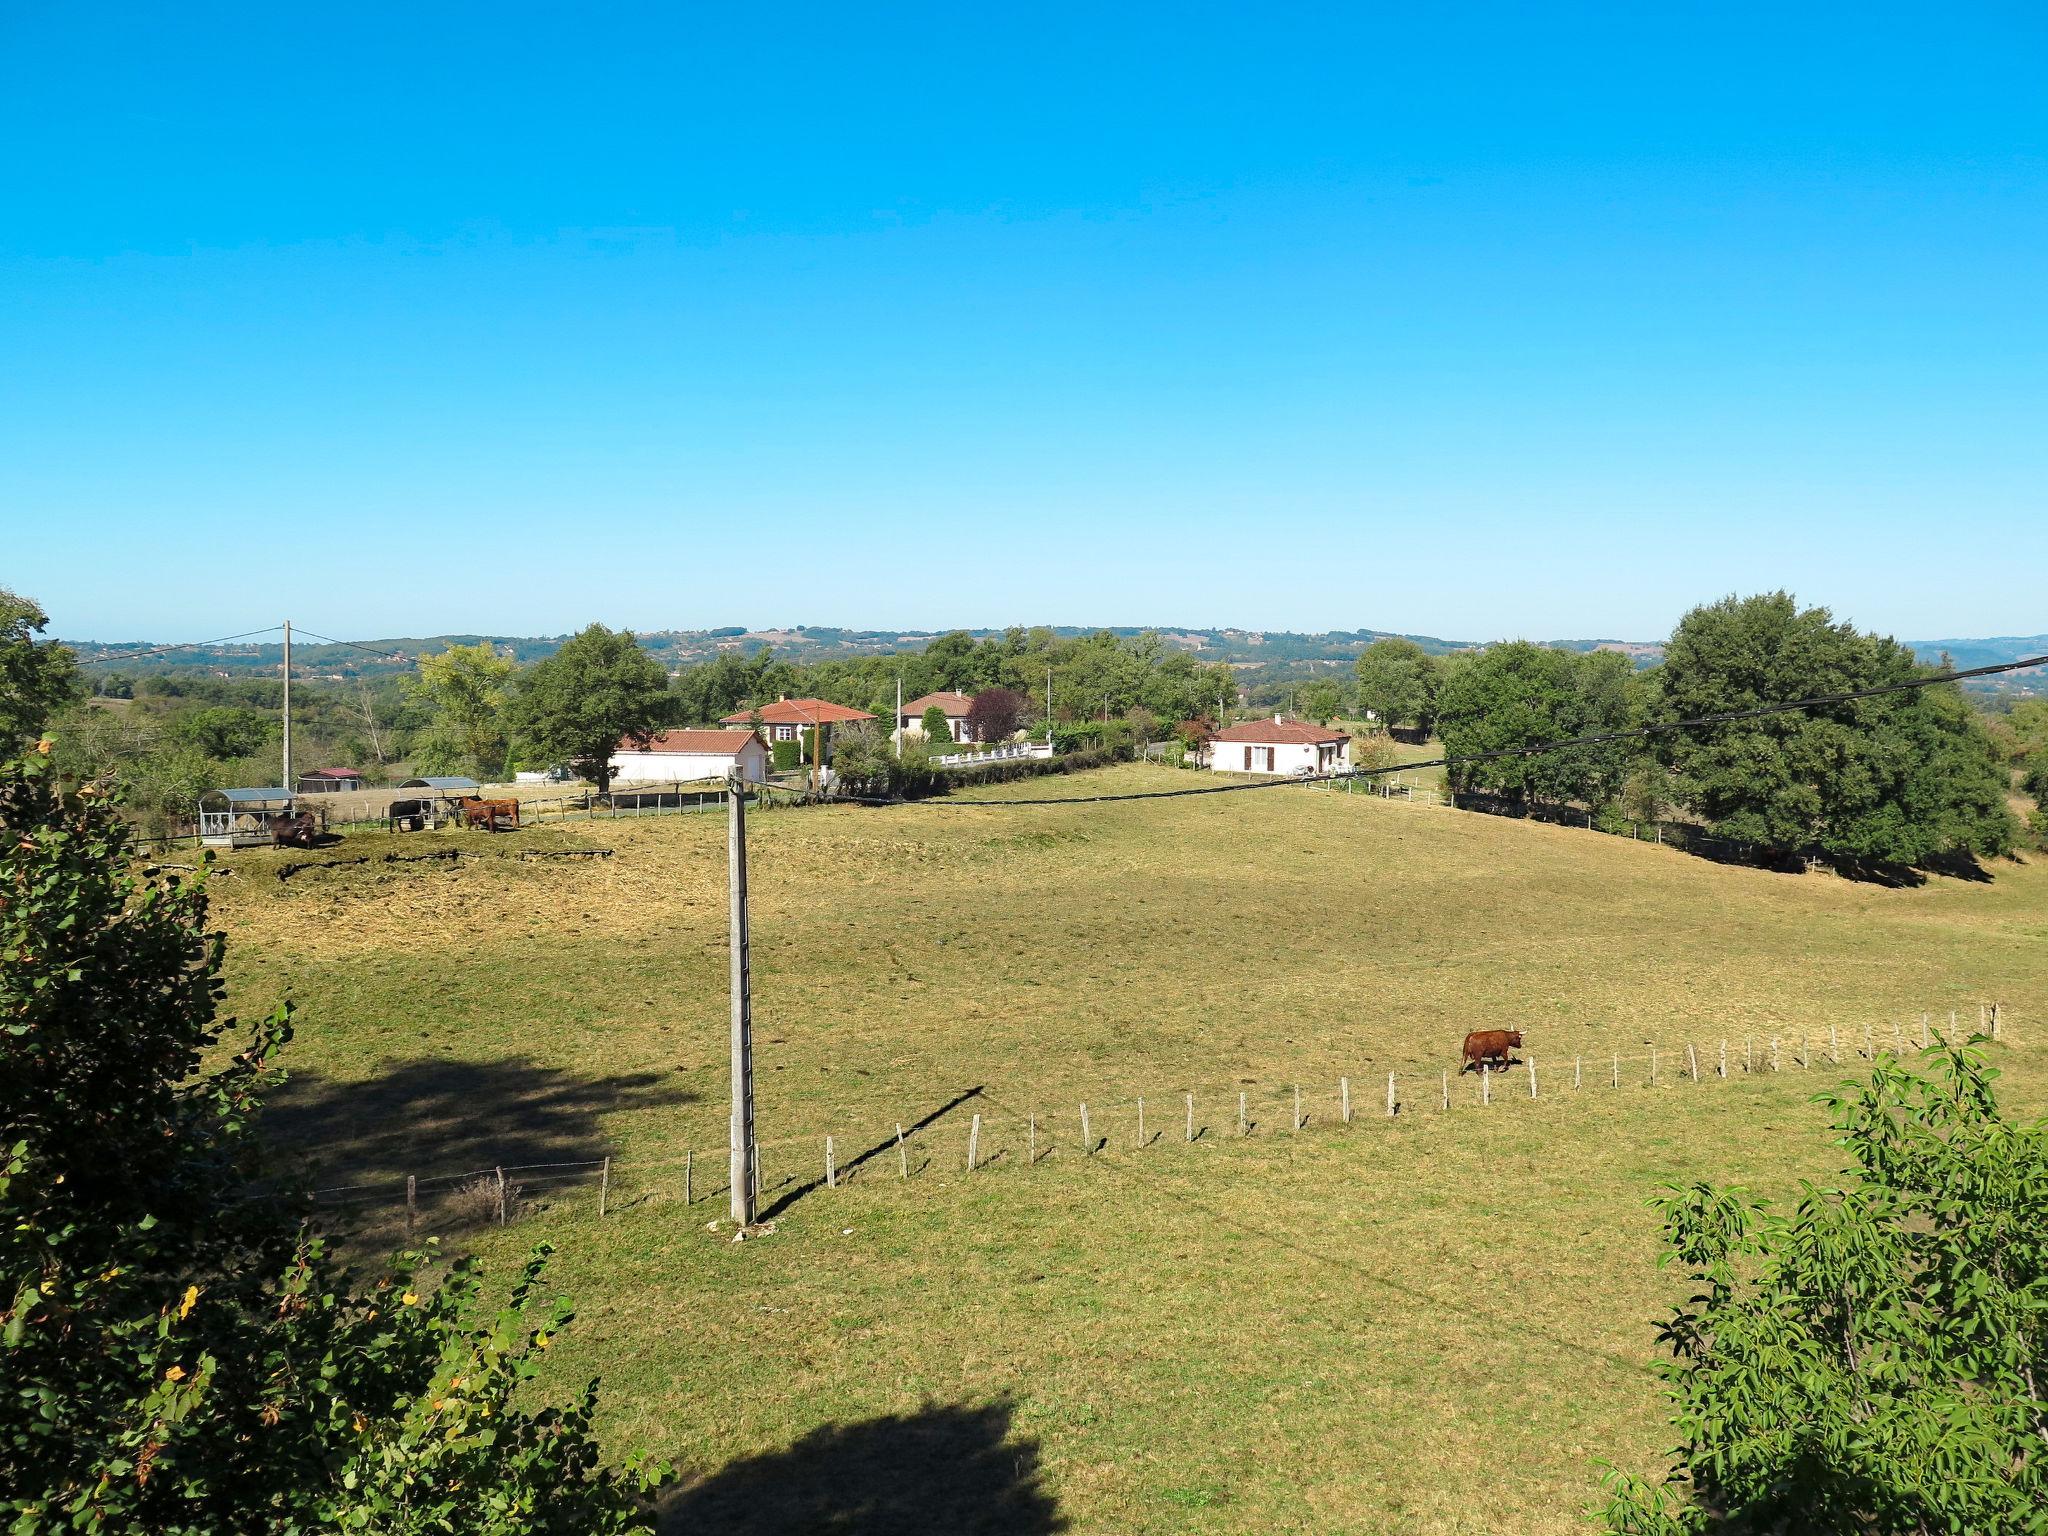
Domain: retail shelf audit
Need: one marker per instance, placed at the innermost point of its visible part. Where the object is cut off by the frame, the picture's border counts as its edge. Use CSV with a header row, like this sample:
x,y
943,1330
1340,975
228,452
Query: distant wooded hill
x,y
1277,649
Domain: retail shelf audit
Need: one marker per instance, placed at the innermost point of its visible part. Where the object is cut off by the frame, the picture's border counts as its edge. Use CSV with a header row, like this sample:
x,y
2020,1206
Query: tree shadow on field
x,y
950,1468
438,1116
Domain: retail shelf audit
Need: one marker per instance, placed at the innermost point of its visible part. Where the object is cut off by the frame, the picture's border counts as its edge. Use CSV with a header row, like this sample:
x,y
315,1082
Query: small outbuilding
x,y
1279,746
329,781
682,757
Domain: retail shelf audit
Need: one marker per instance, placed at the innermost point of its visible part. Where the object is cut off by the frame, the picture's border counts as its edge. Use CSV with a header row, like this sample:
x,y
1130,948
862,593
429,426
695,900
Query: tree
x,y
1900,778
1397,682
1876,1361
1321,701
178,1352
578,705
935,725
994,714
37,677
1521,695
465,684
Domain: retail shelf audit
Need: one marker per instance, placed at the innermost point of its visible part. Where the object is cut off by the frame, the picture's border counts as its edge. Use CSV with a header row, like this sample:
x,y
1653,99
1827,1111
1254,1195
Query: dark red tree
x,y
994,714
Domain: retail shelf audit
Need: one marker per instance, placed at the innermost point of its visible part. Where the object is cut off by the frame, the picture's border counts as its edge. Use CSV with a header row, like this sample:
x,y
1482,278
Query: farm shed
x,y
242,818
329,781
1278,745
681,757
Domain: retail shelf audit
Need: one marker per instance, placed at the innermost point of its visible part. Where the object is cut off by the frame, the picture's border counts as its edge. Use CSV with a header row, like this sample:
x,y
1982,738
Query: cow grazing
x,y
489,814
1489,1048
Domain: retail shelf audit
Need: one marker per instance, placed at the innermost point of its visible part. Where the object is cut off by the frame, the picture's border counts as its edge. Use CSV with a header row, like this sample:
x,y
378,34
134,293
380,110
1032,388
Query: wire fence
x,y
975,1131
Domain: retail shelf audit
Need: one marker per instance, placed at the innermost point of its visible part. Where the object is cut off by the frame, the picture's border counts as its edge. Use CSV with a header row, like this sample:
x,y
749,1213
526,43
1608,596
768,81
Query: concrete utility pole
x,y
1048,706
745,1157
898,732
289,783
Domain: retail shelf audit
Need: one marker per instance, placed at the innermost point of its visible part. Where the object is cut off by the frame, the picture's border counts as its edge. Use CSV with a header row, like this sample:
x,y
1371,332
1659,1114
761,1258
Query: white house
x,y
1278,746
679,757
910,721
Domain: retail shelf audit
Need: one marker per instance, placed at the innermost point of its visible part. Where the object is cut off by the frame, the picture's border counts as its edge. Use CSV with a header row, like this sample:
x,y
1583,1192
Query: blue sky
x,y
1477,321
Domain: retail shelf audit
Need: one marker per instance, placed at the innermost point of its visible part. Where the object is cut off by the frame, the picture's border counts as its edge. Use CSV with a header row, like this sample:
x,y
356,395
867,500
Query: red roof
x,y
955,705
710,743
800,712
1280,733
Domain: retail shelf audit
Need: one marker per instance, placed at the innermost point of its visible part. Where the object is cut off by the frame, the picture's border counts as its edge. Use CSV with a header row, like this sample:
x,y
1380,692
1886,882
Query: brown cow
x,y
479,812
1489,1048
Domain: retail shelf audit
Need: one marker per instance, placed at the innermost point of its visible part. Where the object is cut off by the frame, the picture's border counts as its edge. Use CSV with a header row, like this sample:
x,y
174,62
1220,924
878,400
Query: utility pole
x,y
1048,706
289,784
745,1158
898,733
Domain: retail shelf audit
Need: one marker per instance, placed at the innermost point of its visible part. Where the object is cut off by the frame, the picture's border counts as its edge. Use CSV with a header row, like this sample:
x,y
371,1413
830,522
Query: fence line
x,y
1416,1090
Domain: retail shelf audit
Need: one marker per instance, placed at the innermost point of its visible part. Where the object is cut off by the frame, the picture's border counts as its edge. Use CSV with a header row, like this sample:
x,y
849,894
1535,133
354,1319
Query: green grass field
x,y
1437,1323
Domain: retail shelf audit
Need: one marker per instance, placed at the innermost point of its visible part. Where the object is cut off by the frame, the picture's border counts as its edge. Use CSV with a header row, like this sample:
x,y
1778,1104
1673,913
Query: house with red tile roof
x,y
787,719
682,757
910,720
1279,746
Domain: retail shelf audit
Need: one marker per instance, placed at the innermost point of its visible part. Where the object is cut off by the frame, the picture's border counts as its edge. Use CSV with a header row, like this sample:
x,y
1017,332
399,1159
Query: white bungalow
x,y
681,757
910,720
1278,746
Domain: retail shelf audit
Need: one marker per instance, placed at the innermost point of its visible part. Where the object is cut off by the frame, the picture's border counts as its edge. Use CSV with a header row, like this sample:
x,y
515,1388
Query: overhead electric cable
x,y
165,650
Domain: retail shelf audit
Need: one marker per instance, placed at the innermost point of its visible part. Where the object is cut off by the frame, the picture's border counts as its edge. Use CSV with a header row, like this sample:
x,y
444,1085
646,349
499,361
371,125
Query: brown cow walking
x,y
1489,1048
478,812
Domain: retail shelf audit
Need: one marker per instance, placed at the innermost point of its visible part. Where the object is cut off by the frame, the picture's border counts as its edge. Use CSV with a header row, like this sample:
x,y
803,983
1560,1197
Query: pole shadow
x,y
886,1146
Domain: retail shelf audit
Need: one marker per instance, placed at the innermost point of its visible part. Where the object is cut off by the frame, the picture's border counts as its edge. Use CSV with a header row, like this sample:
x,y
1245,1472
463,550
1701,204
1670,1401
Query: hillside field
x,y
1440,1322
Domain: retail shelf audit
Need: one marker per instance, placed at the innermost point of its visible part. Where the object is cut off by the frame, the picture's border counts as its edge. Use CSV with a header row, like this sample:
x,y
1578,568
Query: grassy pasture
x,y
1433,1324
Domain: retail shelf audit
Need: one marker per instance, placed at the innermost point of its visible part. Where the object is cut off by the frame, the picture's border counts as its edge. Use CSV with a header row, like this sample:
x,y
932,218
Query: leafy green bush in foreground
x,y
178,1353
1875,1362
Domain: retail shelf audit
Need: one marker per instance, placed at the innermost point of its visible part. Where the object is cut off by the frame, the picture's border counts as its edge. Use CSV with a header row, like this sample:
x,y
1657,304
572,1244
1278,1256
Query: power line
x,y
1636,733
356,645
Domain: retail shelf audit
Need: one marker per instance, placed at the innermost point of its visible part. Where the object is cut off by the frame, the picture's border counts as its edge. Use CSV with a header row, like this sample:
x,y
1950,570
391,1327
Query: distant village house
x,y
910,721
787,719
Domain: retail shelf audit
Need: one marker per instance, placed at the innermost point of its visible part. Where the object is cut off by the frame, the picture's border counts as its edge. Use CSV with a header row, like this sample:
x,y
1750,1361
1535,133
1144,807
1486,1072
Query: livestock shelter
x,y
433,801
242,818
329,781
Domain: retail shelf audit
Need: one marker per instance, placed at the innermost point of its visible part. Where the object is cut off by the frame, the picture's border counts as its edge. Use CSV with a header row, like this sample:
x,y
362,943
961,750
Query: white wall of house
x,y
683,767
1282,758
913,725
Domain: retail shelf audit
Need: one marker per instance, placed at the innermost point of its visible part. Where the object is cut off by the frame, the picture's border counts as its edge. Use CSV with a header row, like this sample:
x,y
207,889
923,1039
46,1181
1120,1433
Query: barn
x,y
1279,746
680,757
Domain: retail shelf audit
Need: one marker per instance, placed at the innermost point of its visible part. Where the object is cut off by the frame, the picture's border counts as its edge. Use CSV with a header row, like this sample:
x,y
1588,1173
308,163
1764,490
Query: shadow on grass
x,y
953,1468
859,1160
437,1116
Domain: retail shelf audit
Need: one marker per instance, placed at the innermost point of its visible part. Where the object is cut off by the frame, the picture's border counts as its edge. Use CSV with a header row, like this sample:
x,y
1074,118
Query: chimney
x,y
1279,719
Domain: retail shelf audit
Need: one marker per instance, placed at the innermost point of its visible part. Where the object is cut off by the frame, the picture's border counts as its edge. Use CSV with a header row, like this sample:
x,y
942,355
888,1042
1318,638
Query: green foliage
x,y
1398,682
785,754
37,677
1901,778
935,724
1522,695
228,730
1322,701
1874,1362
577,705
465,686
178,1354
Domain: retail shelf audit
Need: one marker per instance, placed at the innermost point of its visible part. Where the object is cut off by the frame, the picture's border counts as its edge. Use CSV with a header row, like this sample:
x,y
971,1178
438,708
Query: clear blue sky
x,y
1472,320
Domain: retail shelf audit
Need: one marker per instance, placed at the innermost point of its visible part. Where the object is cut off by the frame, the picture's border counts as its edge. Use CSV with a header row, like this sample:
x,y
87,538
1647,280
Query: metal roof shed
x,y
241,818
444,786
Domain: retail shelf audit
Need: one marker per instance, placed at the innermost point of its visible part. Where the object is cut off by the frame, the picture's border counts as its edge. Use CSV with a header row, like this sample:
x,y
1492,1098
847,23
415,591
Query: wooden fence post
x,y
604,1188
1485,1083
1692,1059
1390,1094
501,1196
974,1145
1188,1133
1087,1136
1869,1045
1617,1069
411,1205
1653,1063
1898,1039
1834,1046
1344,1093
1805,1052
1774,1053
1724,1058
1244,1126
1578,1071
690,1177
1923,1031
1447,1092
831,1166
1297,1107
1994,1021
902,1157
1031,1146
1141,1120
1748,1056
1531,1063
